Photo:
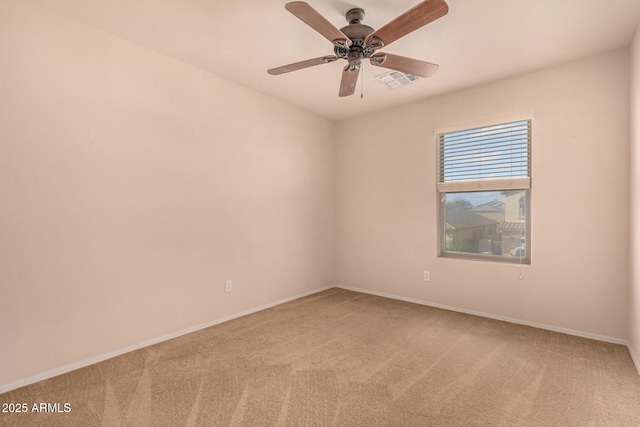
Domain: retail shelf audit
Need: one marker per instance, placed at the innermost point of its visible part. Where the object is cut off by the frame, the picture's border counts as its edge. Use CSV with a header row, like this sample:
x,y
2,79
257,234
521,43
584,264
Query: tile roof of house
x,y
489,207
512,226
462,218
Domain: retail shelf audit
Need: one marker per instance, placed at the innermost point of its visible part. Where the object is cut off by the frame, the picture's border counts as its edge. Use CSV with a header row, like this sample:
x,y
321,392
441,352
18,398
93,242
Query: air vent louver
x,y
396,79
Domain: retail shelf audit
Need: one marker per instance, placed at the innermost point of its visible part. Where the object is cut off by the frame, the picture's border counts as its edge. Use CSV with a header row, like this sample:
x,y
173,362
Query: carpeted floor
x,y
341,358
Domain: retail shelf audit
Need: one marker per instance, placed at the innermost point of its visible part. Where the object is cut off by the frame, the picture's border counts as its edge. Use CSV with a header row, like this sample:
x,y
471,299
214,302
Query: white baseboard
x,y
635,359
567,331
86,362
493,316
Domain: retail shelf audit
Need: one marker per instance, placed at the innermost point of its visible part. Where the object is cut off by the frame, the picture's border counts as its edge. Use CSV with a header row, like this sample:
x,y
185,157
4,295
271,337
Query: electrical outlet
x,y
427,276
227,285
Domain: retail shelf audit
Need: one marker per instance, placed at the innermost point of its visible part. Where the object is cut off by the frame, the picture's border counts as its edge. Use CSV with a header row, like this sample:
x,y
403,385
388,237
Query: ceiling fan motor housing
x,y
357,33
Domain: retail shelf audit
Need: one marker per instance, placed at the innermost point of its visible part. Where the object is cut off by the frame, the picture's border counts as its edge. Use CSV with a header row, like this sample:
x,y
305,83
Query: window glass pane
x,y
486,223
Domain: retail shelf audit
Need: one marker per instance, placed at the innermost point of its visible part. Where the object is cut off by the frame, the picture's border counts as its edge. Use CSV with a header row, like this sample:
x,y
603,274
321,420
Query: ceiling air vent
x,y
395,79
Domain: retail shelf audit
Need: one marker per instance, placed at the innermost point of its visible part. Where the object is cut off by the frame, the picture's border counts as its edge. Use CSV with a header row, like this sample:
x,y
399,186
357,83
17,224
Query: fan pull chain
x,y
362,81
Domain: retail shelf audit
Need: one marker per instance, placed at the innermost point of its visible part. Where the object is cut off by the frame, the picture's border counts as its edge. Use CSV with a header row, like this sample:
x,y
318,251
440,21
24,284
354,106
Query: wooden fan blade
x,y
312,18
419,16
404,64
349,81
302,64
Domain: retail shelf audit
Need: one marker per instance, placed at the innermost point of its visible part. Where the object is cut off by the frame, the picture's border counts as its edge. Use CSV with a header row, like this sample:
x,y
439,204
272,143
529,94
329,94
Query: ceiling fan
x,y
357,41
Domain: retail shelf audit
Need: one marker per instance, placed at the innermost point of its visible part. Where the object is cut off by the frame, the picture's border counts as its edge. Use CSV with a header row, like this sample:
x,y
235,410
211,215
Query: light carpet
x,y
342,358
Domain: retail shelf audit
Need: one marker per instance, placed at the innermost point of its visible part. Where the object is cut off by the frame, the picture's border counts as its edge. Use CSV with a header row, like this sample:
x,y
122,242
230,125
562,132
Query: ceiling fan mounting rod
x,y
355,15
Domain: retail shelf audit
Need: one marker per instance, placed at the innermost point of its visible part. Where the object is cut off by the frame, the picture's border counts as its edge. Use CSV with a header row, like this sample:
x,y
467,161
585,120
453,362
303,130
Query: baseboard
x,y
567,331
494,316
635,359
87,362
100,358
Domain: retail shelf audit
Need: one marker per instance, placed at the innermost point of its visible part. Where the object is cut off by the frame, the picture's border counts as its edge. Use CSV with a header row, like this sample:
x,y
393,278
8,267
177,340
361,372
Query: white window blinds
x,y
484,158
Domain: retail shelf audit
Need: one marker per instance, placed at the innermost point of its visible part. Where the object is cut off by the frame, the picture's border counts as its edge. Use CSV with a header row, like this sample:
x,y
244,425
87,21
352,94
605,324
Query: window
x,y
484,189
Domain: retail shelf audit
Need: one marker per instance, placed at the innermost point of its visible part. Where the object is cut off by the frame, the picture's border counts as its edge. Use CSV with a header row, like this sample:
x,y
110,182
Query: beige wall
x,y
634,232
386,200
132,185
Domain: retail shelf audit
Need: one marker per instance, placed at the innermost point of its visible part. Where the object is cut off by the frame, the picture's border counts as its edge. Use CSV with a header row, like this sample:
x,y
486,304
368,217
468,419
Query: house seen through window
x,y
484,188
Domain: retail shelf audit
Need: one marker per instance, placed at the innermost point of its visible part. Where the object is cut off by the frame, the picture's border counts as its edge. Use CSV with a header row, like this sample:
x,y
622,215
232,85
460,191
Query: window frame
x,y
488,185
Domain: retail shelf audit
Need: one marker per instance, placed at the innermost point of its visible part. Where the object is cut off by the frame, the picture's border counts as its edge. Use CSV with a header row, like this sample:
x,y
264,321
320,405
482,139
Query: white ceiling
x,y
478,41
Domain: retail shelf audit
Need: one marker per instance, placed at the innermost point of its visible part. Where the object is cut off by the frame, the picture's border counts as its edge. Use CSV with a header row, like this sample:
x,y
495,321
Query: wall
x,y
132,185
386,200
634,232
